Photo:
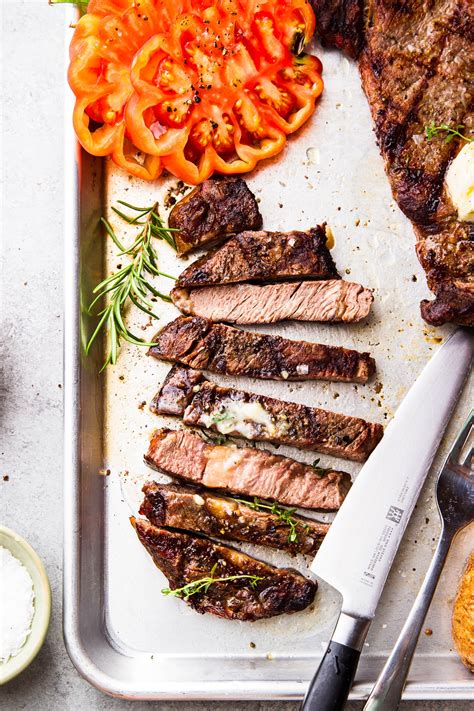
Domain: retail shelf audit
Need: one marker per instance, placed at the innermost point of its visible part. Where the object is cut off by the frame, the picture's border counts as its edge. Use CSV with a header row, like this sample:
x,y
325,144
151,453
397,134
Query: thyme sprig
x,y
284,515
320,471
203,584
431,130
130,284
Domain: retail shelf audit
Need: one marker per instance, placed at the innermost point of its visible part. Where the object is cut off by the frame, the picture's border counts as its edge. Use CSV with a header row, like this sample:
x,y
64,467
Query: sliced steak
x,y
185,558
340,23
417,68
202,344
263,256
184,508
213,211
246,471
325,301
261,418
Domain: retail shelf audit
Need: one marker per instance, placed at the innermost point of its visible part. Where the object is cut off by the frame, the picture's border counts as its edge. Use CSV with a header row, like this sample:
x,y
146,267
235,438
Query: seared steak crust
x,y
417,68
204,345
184,558
184,508
324,301
340,24
246,471
212,211
263,256
261,418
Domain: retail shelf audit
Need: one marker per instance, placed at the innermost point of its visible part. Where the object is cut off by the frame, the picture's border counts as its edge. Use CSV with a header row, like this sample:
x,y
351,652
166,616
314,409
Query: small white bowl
x,y
42,604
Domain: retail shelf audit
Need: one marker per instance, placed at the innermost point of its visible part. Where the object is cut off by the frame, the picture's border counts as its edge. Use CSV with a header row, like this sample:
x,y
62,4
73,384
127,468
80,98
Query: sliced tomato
x,y
195,86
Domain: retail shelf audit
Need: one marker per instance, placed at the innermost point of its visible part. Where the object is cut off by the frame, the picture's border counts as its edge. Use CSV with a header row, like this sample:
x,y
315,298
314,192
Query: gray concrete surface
x,y
31,307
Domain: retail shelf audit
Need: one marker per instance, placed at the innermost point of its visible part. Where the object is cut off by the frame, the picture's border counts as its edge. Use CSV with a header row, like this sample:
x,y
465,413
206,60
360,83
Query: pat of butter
x,y
460,183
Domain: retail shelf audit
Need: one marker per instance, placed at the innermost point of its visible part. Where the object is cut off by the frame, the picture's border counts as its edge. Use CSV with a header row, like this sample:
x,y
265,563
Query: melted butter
x,y
330,241
460,183
241,418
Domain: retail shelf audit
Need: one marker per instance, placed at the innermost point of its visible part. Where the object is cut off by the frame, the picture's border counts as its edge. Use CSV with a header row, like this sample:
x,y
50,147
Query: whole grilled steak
x,y
184,508
263,256
185,558
261,418
202,344
324,301
246,471
417,68
212,211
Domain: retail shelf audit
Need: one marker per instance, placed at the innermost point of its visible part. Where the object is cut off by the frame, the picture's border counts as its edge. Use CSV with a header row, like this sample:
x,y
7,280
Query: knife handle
x,y
332,682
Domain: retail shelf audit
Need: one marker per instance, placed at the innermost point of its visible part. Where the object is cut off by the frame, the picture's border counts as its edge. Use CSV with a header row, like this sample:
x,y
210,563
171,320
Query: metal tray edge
x,y
82,661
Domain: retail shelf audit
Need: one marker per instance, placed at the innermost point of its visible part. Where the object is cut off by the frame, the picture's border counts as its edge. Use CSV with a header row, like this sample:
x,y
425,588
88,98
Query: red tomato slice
x,y
195,86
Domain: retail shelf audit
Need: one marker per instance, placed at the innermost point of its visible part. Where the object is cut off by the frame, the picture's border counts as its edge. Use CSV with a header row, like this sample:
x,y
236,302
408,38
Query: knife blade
x,y
357,552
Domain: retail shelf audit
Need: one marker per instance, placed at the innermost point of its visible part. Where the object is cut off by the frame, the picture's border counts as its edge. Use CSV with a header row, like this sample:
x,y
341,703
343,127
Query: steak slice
x,y
325,301
417,68
202,344
263,256
262,418
246,471
212,211
184,508
185,558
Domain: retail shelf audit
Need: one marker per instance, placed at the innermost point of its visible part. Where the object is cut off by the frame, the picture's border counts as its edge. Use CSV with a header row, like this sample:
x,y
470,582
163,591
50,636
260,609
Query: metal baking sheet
x,y
122,634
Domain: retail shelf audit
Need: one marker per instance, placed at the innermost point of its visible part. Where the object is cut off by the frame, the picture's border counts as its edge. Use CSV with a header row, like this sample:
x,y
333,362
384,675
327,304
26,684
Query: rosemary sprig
x,y
431,130
284,515
82,4
130,284
203,584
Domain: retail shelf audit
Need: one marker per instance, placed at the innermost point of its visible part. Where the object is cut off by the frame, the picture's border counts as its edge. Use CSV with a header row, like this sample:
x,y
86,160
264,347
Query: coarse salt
x,y
16,605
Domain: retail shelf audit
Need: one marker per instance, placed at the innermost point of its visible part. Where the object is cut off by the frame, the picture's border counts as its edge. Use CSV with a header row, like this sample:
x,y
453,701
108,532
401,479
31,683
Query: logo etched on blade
x,y
394,514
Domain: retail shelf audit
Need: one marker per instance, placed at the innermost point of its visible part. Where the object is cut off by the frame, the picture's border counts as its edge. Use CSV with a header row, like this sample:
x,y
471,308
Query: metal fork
x,y
455,500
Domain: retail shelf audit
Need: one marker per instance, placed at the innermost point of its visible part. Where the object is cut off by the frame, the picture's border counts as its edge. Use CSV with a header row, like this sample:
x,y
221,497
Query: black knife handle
x,y
332,682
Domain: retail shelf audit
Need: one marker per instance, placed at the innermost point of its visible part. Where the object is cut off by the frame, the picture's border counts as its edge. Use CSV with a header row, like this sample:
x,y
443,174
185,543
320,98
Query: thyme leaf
x,y
431,130
203,584
320,471
284,515
130,285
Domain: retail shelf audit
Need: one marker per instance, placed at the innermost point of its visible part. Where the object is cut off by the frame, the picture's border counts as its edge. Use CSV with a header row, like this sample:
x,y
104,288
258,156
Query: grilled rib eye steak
x,y
325,301
221,517
185,558
212,211
246,471
417,68
263,256
204,345
262,418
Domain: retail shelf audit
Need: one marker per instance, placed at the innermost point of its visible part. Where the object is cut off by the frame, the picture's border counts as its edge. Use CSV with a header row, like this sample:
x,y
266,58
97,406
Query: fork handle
x,y
387,692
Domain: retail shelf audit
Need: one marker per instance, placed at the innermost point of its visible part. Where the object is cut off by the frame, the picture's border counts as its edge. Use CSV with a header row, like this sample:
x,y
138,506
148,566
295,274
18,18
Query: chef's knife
x,y
357,552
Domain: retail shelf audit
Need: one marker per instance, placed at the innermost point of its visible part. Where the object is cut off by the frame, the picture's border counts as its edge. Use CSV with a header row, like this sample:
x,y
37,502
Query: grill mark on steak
x,y
416,66
257,417
246,471
204,345
324,301
213,211
262,256
184,508
184,558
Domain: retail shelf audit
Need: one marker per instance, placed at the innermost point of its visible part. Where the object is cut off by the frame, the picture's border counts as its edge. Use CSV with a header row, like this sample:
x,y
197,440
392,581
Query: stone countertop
x,y
32,292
